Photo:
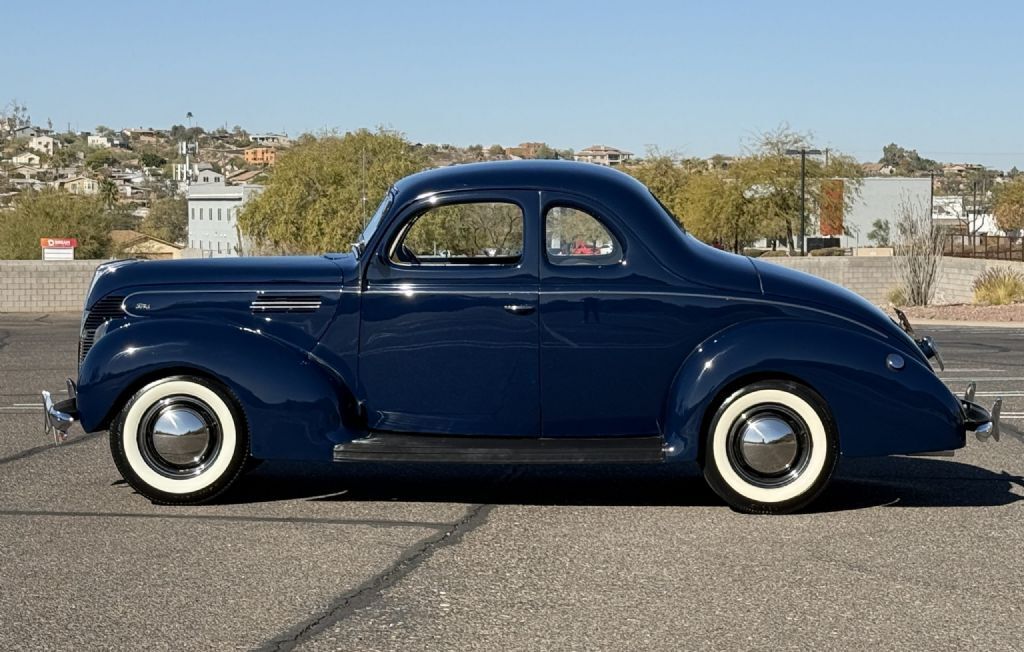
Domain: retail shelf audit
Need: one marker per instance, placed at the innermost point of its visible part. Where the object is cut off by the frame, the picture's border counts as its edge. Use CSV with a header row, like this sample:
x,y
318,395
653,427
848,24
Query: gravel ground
x,y
1013,312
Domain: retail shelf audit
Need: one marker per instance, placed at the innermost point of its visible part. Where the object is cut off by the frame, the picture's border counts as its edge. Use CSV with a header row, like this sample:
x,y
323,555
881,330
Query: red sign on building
x,y
58,243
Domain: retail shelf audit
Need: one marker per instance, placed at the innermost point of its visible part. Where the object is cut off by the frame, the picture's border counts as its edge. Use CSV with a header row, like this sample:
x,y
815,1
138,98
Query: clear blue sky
x,y
697,78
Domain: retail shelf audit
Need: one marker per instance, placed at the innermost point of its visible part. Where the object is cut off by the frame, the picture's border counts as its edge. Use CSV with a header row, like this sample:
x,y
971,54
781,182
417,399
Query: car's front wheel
x,y
180,440
771,447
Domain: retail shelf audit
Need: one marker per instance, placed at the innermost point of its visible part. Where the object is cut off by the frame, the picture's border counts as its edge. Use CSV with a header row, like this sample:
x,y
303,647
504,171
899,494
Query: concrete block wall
x,y
873,277
40,287
35,286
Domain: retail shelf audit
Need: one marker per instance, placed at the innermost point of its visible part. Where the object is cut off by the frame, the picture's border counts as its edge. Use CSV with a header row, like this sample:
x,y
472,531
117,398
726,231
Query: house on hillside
x,y
140,135
260,155
269,139
78,185
208,176
603,155
878,169
25,172
28,132
26,158
44,144
524,150
243,176
133,244
99,141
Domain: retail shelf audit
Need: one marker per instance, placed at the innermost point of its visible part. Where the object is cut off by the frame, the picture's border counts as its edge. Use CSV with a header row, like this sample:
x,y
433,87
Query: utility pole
x,y
803,152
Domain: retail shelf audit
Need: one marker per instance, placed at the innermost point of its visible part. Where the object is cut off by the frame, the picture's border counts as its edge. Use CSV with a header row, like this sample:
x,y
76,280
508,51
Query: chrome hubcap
x,y
179,436
769,445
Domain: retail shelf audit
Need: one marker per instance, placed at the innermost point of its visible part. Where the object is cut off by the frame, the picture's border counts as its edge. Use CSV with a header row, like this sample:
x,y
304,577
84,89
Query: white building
x,y
44,144
199,172
951,213
26,158
880,198
99,141
269,139
603,155
213,217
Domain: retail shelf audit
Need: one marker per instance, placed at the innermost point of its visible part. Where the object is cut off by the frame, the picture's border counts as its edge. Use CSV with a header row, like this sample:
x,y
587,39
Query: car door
x,y
448,336
607,348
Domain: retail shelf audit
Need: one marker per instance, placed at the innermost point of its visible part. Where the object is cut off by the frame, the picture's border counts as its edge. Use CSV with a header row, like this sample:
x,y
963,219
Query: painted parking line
x,y
983,380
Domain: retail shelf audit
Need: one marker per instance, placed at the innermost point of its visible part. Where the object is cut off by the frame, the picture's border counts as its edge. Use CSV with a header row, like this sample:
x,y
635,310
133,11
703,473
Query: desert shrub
x,y
897,297
999,285
776,253
829,251
753,253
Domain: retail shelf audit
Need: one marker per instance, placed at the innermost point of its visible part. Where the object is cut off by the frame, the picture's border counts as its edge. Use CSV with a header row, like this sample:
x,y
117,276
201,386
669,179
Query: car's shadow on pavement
x,y
858,484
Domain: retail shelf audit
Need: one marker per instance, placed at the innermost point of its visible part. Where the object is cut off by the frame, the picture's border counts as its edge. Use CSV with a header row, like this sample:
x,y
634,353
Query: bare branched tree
x,y
918,251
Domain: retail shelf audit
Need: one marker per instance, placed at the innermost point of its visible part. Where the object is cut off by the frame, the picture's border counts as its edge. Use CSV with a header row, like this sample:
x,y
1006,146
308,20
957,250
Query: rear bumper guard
x,y
60,416
983,423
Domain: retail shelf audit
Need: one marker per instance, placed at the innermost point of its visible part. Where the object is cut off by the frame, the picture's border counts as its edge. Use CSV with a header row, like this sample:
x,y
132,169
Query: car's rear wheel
x,y
180,440
770,448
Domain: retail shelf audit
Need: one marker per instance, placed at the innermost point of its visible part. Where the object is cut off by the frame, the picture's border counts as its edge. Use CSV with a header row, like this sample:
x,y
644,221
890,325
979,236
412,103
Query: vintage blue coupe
x,y
515,312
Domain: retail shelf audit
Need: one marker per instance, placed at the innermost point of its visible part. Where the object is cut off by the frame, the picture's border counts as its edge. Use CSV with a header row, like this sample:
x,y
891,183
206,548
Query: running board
x,y
500,450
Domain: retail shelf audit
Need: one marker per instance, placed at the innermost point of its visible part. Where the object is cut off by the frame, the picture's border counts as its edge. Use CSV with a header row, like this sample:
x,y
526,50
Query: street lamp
x,y
803,152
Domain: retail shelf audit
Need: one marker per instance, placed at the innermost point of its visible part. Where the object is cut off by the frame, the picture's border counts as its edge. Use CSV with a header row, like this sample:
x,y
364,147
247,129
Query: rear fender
x,y
877,411
295,406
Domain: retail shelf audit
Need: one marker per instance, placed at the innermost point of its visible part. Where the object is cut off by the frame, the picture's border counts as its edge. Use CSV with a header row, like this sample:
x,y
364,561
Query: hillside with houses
x,y
179,191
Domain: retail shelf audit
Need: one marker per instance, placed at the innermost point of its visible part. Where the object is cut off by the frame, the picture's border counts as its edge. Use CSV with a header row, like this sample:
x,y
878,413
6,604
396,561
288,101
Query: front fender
x,y
295,407
877,411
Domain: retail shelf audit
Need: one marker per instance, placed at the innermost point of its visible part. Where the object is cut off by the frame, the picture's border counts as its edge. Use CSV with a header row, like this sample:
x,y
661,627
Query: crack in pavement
x,y
371,590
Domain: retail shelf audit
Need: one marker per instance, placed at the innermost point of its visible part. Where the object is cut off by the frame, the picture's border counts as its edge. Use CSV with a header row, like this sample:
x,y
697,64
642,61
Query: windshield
x,y
378,215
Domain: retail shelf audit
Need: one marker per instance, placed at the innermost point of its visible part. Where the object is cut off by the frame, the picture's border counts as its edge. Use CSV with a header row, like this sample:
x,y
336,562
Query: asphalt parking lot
x,y
899,553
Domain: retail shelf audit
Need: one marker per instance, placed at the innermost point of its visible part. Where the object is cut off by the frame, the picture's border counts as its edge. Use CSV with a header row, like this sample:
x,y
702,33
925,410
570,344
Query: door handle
x,y
519,308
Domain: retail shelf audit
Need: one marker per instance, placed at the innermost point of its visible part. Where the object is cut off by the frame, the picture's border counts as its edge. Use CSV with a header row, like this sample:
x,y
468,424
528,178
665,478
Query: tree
x,y
496,151
322,190
58,214
880,233
99,158
773,179
1009,205
667,180
918,251
167,219
151,160
544,151
907,161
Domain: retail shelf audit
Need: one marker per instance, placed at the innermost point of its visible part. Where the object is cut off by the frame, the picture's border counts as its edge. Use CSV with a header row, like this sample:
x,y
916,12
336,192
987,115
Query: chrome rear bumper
x,y
59,417
983,423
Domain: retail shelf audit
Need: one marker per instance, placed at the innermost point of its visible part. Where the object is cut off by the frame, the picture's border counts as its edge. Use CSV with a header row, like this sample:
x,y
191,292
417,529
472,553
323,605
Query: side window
x,y
575,237
477,233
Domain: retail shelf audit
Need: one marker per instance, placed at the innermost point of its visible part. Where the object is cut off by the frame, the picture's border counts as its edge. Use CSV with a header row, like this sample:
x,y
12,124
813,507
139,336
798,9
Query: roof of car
x,y
533,174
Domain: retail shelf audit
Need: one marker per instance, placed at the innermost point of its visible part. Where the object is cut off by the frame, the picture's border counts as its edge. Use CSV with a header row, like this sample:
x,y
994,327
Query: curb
x,y
968,324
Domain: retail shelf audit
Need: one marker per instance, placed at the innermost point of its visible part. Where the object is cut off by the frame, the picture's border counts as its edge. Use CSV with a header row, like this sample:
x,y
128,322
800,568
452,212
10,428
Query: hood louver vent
x,y
103,311
286,303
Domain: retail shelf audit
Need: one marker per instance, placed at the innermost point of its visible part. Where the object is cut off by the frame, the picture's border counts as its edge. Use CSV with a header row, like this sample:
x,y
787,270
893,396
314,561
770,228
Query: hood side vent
x,y
286,303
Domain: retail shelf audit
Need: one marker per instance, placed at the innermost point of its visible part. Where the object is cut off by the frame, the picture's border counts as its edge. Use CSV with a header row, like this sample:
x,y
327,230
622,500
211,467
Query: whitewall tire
x,y
180,440
771,447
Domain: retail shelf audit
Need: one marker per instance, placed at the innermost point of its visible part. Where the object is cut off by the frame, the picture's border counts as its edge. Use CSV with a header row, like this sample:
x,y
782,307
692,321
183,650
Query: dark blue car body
x,y
322,351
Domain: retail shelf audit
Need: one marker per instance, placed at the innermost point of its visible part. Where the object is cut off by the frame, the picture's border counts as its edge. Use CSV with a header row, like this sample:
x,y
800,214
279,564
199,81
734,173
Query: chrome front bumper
x,y
59,417
983,423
